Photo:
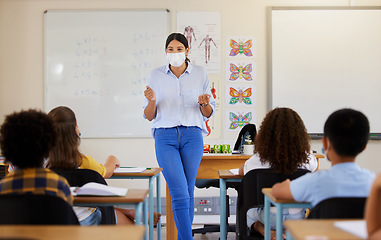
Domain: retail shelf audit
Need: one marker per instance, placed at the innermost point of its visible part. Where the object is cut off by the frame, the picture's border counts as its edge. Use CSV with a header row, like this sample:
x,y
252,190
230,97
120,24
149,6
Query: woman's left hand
x,y
203,99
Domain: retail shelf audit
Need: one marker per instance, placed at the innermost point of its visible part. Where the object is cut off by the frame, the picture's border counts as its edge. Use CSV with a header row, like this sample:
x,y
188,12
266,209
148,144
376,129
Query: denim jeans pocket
x,y
158,131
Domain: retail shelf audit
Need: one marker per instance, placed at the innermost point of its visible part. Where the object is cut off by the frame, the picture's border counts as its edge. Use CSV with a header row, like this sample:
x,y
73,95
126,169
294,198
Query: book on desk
x,y
97,189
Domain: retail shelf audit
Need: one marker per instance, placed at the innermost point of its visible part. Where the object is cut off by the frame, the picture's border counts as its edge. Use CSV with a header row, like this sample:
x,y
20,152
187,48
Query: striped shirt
x,y
36,181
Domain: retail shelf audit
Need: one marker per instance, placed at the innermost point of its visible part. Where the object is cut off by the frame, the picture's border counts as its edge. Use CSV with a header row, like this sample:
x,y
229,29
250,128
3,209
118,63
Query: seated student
x,y
282,144
373,210
26,139
346,133
66,155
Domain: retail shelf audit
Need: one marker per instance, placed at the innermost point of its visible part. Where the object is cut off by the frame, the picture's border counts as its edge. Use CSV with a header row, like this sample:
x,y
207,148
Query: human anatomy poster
x,y
241,46
202,30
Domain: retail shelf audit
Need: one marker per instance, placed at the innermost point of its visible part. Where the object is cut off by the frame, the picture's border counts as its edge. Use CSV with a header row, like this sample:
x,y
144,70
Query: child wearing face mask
x,y
179,101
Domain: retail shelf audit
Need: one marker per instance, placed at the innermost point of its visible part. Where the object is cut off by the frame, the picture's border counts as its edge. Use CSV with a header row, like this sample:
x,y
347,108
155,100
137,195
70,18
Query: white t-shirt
x,y
255,163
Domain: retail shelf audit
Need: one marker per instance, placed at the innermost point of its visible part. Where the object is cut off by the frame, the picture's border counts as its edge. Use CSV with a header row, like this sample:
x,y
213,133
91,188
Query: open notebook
x,y
97,189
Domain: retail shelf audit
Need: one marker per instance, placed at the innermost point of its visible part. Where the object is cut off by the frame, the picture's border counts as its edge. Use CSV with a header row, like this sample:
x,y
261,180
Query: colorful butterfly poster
x,y
240,95
240,46
236,119
240,71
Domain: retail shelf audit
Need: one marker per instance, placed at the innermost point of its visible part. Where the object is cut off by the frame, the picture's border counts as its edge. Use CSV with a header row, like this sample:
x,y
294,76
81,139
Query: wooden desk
x,y
209,166
133,196
136,197
150,174
317,229
131,232
280,204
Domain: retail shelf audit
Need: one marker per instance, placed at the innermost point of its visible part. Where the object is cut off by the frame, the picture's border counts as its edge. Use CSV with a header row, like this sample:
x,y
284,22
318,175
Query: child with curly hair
x,y
282,144
26,138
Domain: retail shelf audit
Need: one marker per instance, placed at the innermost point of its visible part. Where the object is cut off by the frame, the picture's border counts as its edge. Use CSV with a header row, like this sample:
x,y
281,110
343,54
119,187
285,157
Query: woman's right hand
x,y
150,94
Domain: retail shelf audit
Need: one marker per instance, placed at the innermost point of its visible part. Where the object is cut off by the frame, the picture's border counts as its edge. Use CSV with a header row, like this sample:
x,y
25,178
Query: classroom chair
x,y
250,196
339,208
36,209
249,129
78,178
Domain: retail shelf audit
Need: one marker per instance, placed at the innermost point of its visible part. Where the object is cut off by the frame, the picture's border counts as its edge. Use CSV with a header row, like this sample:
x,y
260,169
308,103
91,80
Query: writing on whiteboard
x,y
98,63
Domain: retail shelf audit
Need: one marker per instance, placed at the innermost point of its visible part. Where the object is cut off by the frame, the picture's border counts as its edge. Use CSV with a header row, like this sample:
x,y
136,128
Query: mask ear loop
x,y
324,151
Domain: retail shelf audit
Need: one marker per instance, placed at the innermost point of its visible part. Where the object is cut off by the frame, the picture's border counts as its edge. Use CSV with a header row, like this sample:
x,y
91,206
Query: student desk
x,y
280,204
225,175
48,232
209,166
317,229
136,197
151,174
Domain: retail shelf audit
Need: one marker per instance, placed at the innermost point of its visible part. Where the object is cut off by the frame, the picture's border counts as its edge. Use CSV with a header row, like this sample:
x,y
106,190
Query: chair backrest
x,y
249,129
250,193
339,208
36,209
78,178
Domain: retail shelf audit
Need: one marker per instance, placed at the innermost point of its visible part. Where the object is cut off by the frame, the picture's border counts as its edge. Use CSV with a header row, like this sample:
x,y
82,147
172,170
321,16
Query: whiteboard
x,y
323,59
97,63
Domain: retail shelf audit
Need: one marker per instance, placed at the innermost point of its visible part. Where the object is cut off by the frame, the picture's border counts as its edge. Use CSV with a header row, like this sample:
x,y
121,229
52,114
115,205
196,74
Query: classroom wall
x,y
21,65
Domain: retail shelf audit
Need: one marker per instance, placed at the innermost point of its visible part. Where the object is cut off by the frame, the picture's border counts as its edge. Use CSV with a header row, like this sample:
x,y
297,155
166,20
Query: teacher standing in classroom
x,y
179,100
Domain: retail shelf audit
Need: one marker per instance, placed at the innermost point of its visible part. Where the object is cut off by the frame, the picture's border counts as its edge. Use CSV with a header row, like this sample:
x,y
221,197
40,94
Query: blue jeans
x,y
94,218
179,151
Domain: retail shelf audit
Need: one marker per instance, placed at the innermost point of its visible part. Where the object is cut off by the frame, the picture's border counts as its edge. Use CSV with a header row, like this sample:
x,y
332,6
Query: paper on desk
x,y
234,171
129,170
97,189
357,228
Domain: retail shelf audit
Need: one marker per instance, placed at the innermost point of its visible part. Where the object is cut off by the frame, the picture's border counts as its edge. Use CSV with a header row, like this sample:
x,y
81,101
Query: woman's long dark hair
x,y
179,37
65,153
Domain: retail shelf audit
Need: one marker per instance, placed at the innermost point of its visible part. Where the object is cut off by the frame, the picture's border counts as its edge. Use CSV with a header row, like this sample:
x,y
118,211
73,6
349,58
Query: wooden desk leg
x,y
171,226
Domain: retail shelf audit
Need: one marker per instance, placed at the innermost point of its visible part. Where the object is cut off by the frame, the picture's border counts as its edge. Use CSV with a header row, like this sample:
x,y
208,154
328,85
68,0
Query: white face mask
x,y
176,59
